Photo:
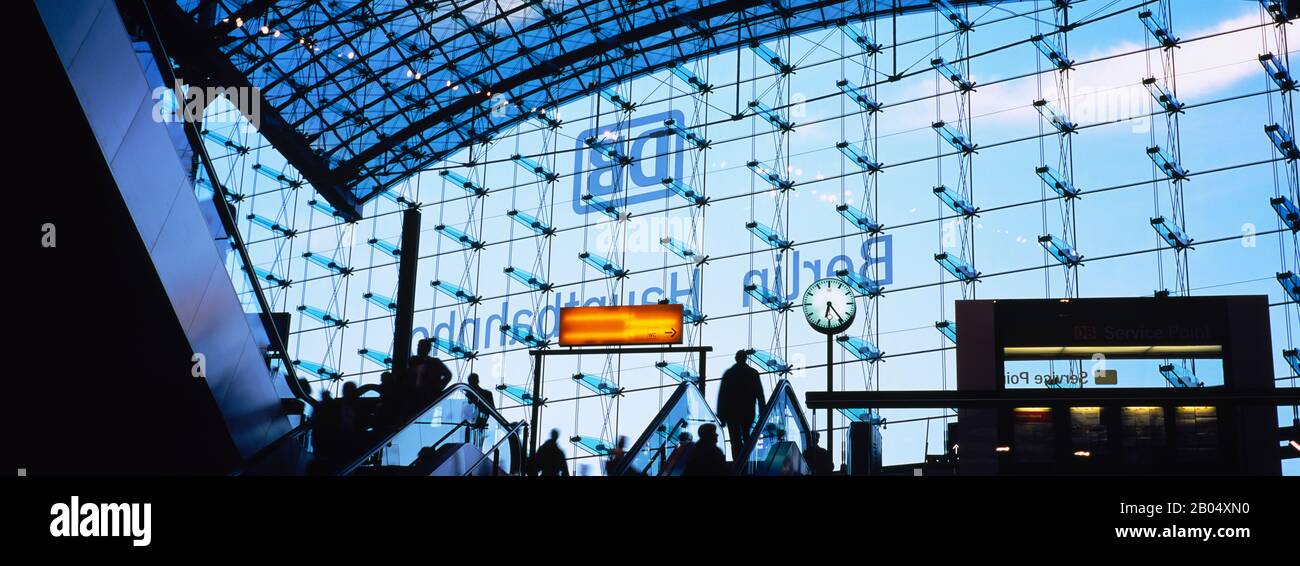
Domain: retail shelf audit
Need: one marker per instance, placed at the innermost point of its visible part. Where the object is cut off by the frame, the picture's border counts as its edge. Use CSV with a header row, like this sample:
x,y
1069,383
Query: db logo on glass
x,y
656,154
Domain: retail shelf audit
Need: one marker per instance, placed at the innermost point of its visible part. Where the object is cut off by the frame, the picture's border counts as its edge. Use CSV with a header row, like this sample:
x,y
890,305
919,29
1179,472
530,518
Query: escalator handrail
x,y
649,431
220,204
292,436
659,418
662,455
380,443
783,387
512,433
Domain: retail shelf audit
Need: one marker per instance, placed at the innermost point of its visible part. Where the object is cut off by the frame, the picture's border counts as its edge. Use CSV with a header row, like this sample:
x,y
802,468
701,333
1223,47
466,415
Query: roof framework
x,y
360,95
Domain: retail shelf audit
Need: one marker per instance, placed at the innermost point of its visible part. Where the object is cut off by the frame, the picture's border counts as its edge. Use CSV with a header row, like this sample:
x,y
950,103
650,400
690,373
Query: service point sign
x,y
621,326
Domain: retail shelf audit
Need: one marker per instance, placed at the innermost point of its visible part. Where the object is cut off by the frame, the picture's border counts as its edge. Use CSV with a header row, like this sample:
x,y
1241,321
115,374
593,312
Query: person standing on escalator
x,y
820,461
482,404
431,376
706,459
737,394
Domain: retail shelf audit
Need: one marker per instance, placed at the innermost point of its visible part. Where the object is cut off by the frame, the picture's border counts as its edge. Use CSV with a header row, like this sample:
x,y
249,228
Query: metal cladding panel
x,y
114,92
149,190
68,22
185,261
108,81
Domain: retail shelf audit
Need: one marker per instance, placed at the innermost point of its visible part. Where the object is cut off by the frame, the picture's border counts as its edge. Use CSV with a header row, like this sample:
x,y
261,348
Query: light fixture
x,y
265,30
1295,445
1082,453
1003,449
1088,351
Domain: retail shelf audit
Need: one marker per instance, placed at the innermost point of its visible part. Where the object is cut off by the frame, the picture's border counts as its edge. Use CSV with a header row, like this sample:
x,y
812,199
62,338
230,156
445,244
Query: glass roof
x,y
379,90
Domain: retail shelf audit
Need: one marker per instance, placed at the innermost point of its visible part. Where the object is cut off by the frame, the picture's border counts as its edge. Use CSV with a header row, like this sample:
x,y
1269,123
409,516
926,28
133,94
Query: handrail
x,y
648,433
783,387
662,453
275,445
659,417
511,433
223,212
383,440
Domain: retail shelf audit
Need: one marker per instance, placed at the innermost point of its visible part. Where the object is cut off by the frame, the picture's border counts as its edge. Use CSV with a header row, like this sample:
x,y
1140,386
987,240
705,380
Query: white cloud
x,y
1112,89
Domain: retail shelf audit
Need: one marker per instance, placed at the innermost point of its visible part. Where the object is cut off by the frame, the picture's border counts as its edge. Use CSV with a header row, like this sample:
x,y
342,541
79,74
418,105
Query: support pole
x,y
704,369
830,386
537,405
406,275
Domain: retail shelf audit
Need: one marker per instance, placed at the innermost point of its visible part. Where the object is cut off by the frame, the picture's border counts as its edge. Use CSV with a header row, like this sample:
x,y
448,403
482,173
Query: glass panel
x,y
1196,434
1088,433
780,436
1033,435
660,449
457,421
1144,434
1107,373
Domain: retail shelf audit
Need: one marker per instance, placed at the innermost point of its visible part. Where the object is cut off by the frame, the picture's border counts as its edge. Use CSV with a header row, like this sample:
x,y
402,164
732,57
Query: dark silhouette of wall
x,y
103,365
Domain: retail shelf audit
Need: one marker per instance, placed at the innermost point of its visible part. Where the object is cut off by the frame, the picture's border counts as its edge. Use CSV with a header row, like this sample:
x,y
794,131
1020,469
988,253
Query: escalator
x,y
665,446
456,434
781,435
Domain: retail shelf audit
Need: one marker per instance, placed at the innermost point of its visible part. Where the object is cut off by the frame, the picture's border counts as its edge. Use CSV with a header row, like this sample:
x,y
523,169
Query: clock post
x,y
829,306
830,386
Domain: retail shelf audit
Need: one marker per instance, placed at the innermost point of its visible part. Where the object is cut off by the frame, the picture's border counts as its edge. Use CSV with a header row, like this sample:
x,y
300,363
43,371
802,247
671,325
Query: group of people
x,y
740,400
341,423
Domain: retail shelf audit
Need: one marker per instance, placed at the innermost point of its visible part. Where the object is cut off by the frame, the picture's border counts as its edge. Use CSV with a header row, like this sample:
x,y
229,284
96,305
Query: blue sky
x,y
1217,205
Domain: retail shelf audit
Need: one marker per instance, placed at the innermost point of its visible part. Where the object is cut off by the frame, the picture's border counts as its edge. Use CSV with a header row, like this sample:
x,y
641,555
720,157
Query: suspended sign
x,y
623,325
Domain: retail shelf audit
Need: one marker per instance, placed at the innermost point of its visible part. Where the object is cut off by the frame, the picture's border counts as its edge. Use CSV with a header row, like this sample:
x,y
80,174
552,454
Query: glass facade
x,y
1001,171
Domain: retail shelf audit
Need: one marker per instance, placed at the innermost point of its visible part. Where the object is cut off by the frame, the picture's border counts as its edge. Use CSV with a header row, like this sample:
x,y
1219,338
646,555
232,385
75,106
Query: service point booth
x,y
1161,385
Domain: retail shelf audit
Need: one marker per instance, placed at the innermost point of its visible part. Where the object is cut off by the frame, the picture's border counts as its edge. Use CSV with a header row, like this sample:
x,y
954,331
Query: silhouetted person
x,y
481,405
739,391
706,458
326,429
485,394
430,375
616,456
391,398
549,460
349,414
680,451
819,460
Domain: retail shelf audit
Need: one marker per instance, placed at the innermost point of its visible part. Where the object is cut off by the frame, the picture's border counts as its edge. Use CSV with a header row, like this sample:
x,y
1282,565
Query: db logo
x,y
656,154
1085,333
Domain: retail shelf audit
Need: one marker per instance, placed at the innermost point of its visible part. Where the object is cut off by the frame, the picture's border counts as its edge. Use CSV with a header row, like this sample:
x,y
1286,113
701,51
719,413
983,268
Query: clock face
x,y
829,305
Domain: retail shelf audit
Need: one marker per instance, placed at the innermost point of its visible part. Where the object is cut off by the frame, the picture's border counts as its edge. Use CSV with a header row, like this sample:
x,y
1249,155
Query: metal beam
x,y
406,275
1047,397
203,64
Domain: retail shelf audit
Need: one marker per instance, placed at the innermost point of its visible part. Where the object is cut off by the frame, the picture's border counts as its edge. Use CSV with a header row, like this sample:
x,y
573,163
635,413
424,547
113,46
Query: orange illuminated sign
x,y
616,326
